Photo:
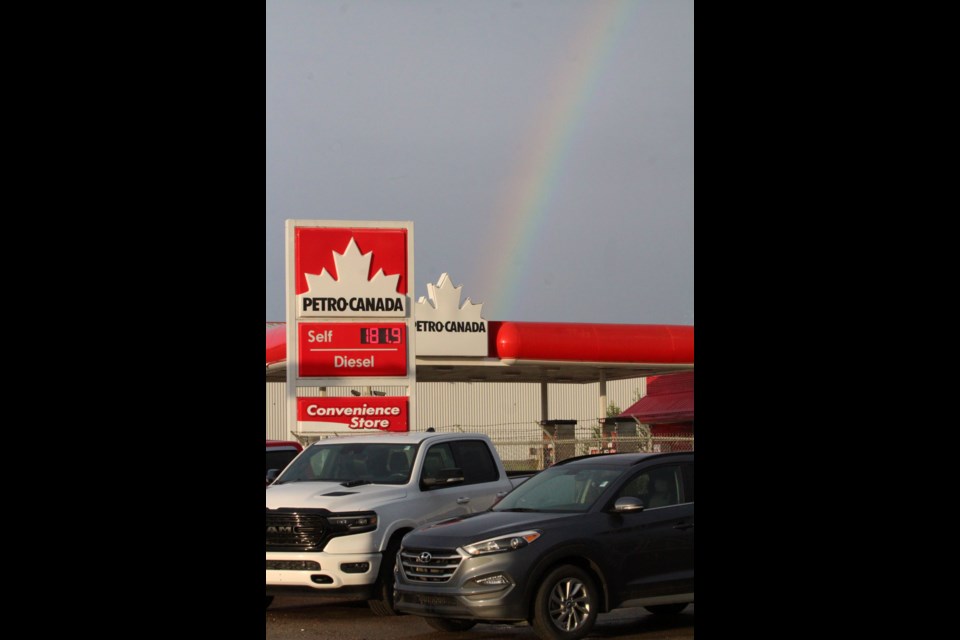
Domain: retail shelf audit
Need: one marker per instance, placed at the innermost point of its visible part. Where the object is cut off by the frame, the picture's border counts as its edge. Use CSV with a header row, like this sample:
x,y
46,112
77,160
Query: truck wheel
x,y
450,624
565,607
269,600
382,603
666,609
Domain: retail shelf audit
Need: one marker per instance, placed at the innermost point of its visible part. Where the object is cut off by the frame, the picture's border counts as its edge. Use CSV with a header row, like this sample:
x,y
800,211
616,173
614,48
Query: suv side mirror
x,y
445,477
272,475
627,504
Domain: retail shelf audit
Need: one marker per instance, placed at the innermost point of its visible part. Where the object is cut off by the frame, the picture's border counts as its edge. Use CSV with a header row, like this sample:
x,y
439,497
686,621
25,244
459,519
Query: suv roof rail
x,y
589,455
646,456
660,454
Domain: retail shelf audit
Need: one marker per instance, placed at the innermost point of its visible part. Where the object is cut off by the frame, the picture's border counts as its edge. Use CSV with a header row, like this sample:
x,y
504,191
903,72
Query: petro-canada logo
x,y
444,328
352,292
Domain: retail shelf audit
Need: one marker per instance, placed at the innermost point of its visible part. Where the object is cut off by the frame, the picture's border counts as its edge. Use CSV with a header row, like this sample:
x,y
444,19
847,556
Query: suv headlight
x,y
510,542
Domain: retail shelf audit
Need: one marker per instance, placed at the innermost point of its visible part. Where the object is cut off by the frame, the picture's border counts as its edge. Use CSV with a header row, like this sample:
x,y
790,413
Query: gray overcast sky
x,y
542,148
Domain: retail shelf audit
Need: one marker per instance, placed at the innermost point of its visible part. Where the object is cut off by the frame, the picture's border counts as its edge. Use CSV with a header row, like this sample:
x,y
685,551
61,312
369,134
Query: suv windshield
x,y
357,463
561,489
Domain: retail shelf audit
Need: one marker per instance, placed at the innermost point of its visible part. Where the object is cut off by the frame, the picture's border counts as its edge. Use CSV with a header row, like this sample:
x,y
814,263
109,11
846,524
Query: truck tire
x,y
269,600
565,607
382,603
450,624
666,609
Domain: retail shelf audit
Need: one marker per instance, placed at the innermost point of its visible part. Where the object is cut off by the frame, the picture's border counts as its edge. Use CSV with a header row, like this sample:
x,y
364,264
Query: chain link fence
x,y
530,447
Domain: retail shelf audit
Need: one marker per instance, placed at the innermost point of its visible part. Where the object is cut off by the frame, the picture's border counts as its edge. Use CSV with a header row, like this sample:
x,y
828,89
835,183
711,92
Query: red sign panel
x,y
347,272
348,349
363,414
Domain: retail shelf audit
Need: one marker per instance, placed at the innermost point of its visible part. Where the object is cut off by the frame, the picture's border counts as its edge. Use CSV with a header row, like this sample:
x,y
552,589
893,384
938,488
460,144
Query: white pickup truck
x,y
337,513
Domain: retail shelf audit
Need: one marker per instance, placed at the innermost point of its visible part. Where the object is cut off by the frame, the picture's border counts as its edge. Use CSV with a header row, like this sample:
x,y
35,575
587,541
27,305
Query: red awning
x,y
669,399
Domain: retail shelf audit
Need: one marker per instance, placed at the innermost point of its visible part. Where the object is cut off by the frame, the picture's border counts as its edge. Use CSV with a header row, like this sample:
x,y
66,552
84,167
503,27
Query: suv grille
x,y
295,531
440,566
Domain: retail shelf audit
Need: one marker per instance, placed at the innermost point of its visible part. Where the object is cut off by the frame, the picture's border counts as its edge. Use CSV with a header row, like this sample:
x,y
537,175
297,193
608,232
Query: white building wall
x,y
502,410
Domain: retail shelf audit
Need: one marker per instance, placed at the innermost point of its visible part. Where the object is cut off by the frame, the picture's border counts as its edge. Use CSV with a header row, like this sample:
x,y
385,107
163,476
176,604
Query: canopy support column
x,y
603,395
543,403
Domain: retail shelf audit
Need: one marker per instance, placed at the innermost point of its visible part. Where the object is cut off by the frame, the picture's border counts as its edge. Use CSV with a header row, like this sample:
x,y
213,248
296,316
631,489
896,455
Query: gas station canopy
x,y
545,352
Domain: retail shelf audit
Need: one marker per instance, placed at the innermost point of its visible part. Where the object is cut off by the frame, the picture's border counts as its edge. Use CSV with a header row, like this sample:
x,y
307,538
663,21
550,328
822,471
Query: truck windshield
x,y
560,489
375,462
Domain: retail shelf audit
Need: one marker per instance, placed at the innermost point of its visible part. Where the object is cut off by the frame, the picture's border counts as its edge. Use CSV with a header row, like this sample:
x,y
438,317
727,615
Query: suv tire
x,y
565,607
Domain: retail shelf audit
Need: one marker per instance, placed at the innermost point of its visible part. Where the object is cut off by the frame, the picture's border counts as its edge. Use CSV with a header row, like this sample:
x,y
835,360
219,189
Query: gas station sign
x,y
349,324
368,413
351,273
339,349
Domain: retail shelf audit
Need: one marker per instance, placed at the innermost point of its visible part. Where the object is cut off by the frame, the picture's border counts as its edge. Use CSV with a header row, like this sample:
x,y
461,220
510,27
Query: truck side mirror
x,y
445,477
272,475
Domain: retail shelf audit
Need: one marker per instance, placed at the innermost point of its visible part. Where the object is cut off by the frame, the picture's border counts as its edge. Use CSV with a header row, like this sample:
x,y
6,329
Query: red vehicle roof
x,y
272,444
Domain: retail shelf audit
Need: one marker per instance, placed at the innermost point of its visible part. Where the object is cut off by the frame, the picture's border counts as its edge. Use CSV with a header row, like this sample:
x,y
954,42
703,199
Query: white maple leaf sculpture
x,y
445,298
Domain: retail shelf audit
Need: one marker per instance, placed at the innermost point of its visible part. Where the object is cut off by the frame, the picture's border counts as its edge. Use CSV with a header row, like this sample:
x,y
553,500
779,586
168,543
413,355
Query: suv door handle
x,y
683,526
463,500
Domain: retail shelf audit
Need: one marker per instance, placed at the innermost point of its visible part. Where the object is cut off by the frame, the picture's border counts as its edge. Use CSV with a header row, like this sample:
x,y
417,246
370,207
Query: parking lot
x,y
290,618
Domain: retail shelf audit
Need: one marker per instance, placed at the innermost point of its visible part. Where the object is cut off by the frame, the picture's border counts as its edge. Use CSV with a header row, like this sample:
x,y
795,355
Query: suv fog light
x,y
355,567
494,579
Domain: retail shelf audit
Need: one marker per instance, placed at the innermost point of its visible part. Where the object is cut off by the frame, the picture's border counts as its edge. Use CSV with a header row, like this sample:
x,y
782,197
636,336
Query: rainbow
x,y
525,202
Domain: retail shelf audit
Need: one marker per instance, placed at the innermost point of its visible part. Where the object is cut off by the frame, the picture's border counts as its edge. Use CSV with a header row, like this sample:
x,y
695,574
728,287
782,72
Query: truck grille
x,y
295,531
423,565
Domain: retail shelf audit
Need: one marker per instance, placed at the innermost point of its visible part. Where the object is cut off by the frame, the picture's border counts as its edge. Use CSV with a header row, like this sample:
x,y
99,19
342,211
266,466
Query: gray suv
x,y
583,537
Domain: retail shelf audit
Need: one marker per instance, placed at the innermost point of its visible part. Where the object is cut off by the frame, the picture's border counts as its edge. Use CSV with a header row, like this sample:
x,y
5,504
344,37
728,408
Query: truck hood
x,y
332,495
457,532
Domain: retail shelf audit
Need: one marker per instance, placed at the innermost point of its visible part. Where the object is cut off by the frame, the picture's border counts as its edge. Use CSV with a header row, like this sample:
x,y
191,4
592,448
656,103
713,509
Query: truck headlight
x,y
510,542
353,523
